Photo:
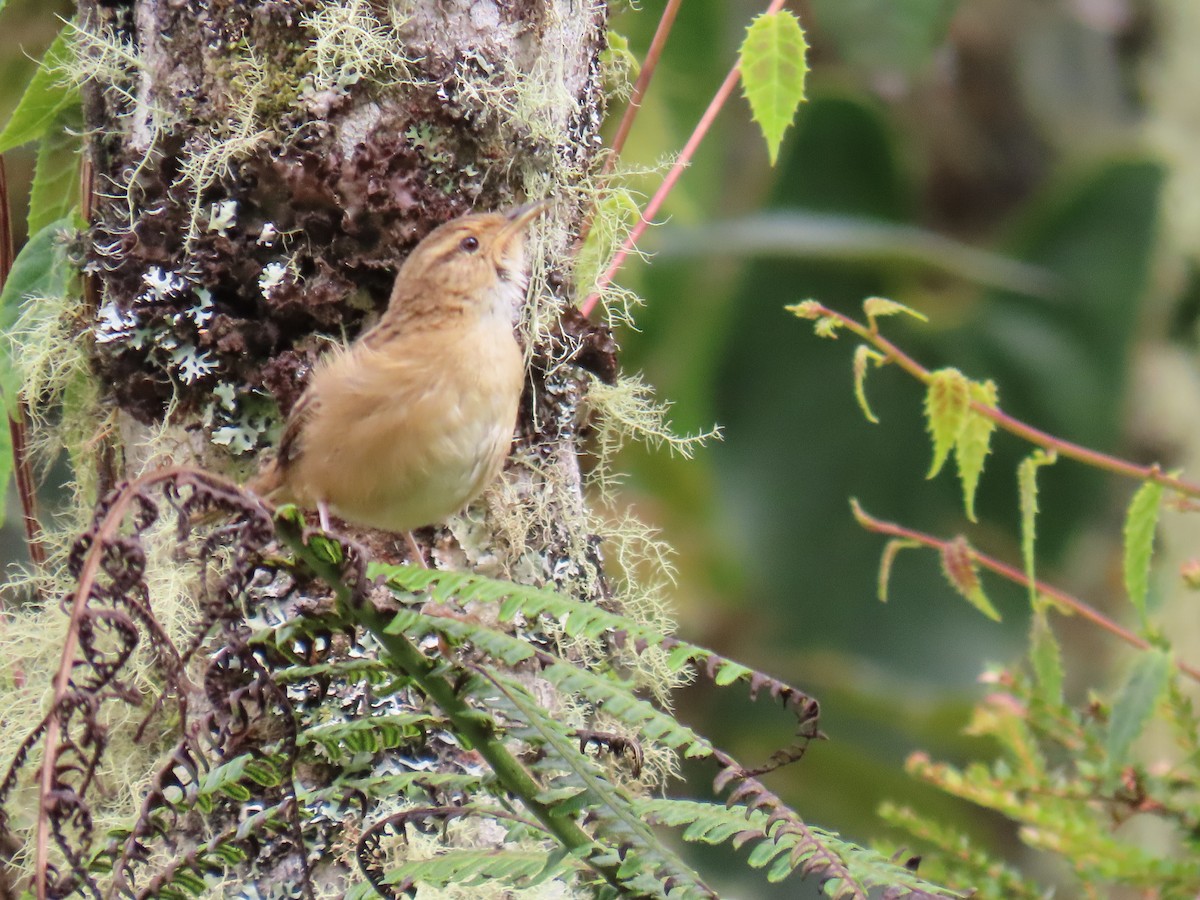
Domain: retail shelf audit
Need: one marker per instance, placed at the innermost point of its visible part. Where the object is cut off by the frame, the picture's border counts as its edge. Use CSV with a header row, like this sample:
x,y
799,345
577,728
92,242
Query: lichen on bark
x,y
260,171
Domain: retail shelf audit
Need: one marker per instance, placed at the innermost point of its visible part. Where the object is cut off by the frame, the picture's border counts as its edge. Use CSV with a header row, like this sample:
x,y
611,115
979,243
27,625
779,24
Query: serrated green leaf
x,y
874,307
614,215
774,69
827,327
55,190
1046,656
1027,491
947,402
1140,523
975,443
41,269
47,95
863,357
958,565
1135,704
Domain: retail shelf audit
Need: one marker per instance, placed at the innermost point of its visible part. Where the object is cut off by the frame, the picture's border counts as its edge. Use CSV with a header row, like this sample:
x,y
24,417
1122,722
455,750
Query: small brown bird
x,y
413,420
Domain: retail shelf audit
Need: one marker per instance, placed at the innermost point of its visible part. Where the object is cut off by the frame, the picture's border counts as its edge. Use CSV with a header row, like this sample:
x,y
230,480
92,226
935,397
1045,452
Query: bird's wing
x,y
291,444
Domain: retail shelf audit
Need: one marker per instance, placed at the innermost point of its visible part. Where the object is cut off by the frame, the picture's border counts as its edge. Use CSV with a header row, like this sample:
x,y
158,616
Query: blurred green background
x,y
1021,171
1016,171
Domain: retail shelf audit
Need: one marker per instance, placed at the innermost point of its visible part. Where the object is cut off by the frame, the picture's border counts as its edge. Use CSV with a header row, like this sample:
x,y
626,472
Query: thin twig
x,y
1015,575
649,65
1035,436
681,163
18,422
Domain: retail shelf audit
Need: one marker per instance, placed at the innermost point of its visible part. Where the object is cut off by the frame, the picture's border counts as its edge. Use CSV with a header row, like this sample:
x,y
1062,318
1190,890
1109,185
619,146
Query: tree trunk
x,y
260,170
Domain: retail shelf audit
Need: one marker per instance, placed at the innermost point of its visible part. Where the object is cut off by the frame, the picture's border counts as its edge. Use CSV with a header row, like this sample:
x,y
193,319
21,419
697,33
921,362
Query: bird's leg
x,y
414,550
323,515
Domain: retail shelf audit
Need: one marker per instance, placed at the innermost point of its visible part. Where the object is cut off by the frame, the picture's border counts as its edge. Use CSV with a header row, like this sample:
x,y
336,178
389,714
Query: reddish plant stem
x,y
1016,576
649,64
684,159
1035,436
18,424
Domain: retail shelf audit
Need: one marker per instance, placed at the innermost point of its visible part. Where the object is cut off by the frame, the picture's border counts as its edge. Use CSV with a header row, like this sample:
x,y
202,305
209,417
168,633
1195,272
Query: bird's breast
x,y
407,432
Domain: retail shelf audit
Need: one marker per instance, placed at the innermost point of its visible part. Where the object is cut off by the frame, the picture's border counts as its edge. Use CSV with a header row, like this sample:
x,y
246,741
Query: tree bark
x,y
260,171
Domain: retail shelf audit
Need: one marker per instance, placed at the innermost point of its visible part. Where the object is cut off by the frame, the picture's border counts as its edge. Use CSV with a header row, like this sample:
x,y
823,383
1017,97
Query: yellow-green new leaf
x,y
874,307
827,327
890,551
958,565
863,357
975,443
947,401
806,309
615,213
1027,491
774,69
1140,523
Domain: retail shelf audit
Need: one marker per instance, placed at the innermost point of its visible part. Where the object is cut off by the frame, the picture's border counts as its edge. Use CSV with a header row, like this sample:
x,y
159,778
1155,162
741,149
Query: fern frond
x,y
605,690
498,868
775,848
645,864
578,619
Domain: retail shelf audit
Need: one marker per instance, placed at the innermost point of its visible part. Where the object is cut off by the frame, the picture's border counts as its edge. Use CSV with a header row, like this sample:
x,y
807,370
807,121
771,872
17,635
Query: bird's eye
x,y
469,244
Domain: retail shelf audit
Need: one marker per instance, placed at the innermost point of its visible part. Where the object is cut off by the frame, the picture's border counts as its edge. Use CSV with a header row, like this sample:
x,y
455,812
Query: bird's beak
x,y
513,230
520,217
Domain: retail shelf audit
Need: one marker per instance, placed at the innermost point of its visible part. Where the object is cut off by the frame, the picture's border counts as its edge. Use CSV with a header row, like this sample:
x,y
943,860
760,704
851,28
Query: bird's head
x,y
474,259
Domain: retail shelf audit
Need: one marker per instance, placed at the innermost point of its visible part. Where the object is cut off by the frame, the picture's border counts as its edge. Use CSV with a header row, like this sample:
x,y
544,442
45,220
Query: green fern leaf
x,y
774,69
511,866
1140,523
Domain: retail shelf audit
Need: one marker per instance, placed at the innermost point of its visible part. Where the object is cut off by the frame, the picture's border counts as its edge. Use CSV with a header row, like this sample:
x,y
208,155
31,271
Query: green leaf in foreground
x,y
774,68
55,190
40,269
1135,704
1140,523
48,94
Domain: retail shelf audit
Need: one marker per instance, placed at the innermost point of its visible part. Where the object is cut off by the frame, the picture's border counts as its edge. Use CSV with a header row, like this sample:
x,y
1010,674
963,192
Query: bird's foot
x,y
414,550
